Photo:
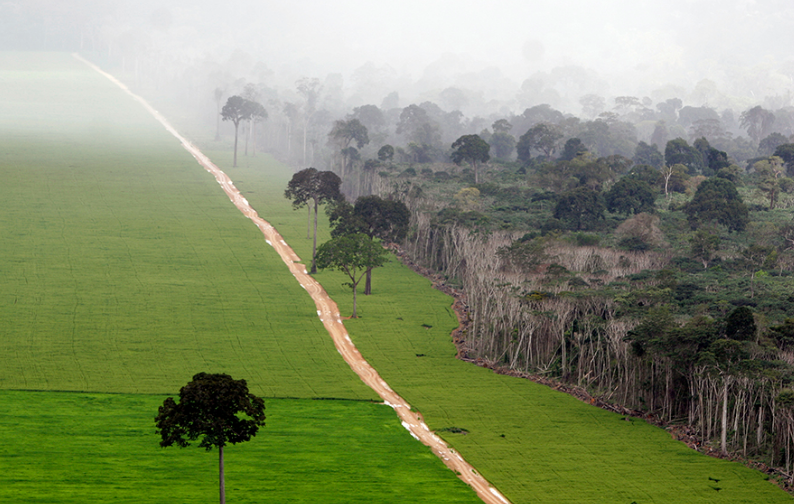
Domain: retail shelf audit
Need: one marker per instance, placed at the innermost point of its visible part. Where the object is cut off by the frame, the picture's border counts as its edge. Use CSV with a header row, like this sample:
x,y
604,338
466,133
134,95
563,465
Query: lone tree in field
x,y
354,254
215,408
473,150
317,187
236,110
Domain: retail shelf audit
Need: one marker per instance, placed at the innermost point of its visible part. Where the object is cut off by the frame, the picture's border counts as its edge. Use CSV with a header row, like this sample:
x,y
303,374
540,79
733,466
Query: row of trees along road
x,y
353,248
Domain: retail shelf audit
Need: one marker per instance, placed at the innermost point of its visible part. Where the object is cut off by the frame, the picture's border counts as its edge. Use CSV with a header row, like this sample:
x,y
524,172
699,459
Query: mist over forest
x,y
502,58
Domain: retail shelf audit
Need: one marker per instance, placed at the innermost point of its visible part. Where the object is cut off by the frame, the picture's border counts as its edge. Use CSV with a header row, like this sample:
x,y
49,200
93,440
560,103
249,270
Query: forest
x,y
653,274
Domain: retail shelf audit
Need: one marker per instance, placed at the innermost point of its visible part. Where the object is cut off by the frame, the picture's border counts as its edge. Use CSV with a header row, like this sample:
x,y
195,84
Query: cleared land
x,y
126,269
76,448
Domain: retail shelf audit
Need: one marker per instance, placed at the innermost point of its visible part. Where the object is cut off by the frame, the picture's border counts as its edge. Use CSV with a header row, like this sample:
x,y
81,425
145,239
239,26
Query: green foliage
x,y
580,208
573,148
543,137
210,407
630,196
503,144
717,200
353,254
386,153
473,150
649,155
678,151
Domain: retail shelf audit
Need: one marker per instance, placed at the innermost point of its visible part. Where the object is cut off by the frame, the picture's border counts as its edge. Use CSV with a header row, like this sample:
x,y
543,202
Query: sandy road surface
x,y
329,315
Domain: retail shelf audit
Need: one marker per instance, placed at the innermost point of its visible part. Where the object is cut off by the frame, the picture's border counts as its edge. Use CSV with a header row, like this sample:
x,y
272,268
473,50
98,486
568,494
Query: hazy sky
x,y
633,45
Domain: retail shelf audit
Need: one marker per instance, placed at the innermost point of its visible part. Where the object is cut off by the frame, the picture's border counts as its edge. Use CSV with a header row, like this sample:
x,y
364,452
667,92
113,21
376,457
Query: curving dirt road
x,y
329,315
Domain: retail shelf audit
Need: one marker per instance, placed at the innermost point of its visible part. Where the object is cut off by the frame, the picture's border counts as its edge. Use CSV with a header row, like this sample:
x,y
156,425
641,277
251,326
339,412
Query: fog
x,y
736,51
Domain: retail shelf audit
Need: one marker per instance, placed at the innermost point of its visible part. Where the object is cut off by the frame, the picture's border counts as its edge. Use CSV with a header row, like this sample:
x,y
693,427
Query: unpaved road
x,y
329,315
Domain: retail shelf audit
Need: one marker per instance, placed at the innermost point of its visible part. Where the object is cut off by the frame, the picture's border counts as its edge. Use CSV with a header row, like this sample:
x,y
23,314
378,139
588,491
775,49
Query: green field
x,y
78,448
127,270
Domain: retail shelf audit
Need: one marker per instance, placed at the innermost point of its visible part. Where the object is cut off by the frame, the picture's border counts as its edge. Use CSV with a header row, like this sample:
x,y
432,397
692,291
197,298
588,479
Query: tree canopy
x,y
473,150
215,408
317,187
630,195
353,254
717,200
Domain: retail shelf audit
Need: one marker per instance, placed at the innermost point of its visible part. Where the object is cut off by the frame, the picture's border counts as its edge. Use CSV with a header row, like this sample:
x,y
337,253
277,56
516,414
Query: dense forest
x,y
655,274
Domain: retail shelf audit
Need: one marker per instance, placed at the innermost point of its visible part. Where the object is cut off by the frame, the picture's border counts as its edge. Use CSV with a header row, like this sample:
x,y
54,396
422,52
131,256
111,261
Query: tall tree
x,y
543,137
346,132
317,187
310,90
757,121
581,208
236,110
473,150
215,408
678,151
374,216
353,254
630,195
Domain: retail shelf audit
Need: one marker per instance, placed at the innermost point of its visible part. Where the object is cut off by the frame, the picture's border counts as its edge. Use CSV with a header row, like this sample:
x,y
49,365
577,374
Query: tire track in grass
x,y
329,315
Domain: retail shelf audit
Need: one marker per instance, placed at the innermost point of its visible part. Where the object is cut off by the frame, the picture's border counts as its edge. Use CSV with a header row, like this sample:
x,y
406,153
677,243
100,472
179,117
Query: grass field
x,y
125,269
77,448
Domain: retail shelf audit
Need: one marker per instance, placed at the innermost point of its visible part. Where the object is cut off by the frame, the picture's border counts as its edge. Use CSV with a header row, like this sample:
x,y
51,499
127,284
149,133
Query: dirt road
x,y
329,315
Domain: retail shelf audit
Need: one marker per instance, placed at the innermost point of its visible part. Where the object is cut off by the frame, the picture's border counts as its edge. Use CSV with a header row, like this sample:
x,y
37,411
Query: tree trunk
x,y
309,220
724,433
248,136
354,299
235,143
222,484
314,244
368,283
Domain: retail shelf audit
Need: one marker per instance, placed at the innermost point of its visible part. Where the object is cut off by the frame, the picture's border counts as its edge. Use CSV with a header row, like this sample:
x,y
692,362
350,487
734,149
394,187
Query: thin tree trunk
x,y
314,244
355,315
222,484
248,137
235,144
724,433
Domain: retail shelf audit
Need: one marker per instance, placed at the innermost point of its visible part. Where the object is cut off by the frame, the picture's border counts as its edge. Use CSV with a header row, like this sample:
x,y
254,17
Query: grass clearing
x,y
125,268
76,448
